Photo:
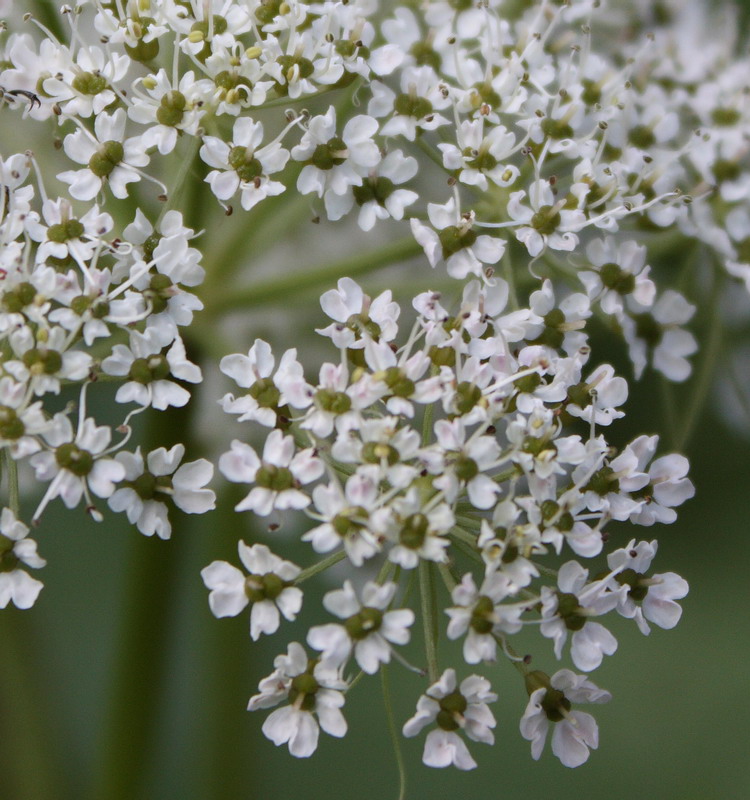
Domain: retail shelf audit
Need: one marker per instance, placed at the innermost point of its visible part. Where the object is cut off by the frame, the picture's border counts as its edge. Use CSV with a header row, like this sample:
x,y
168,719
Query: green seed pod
x,y
109,155
11,426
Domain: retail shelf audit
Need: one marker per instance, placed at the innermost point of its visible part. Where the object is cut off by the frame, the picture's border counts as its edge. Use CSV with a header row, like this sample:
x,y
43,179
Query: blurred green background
x,y
120,683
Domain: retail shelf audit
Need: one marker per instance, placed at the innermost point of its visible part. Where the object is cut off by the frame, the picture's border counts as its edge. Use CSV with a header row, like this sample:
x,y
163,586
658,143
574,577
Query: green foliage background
x,y
121,685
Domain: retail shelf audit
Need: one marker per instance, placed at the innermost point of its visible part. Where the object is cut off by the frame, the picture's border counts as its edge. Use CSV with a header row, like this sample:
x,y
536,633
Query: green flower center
x,y
62,232
344,524
11,425
546,220
468,396
377,452
277,479
264,587
147,486
569,610
332,401
171,108
648,329
642,136
451,707
454,239
41,361
265,393
366,621
398,383
414,531
482,615
466,468
71,457
20,297
89,83
159,291
305,685
147,370
373,189
329,155
617,279
106,158
556,129
410,105
635,580
603,482
244,163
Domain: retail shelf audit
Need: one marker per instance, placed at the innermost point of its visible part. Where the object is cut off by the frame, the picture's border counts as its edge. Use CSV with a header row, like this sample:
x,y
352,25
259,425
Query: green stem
x,y
14,500
322,565
429,617
448,578
548,571
393,732
274,290
511,655
178,189
255,232
511,279
429,413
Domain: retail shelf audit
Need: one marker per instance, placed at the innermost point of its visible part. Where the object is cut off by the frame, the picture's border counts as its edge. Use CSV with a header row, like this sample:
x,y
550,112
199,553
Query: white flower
x,y
358,316
315,693
333,164
480,613
345,516
243,164
464,251
16,549
575,732
620,275
643,597
544,223
378,197
453,709
109,157
368,631
148,369
459,461
268,587
148,486
278,475
571,609
668,484
76,463
657,332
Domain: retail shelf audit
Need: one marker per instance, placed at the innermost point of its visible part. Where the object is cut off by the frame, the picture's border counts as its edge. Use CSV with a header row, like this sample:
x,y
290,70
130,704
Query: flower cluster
x,y
470,452
552,174
81,305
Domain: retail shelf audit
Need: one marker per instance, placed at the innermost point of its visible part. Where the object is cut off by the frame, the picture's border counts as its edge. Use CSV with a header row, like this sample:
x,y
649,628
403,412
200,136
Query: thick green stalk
x,y
140,673
32,767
